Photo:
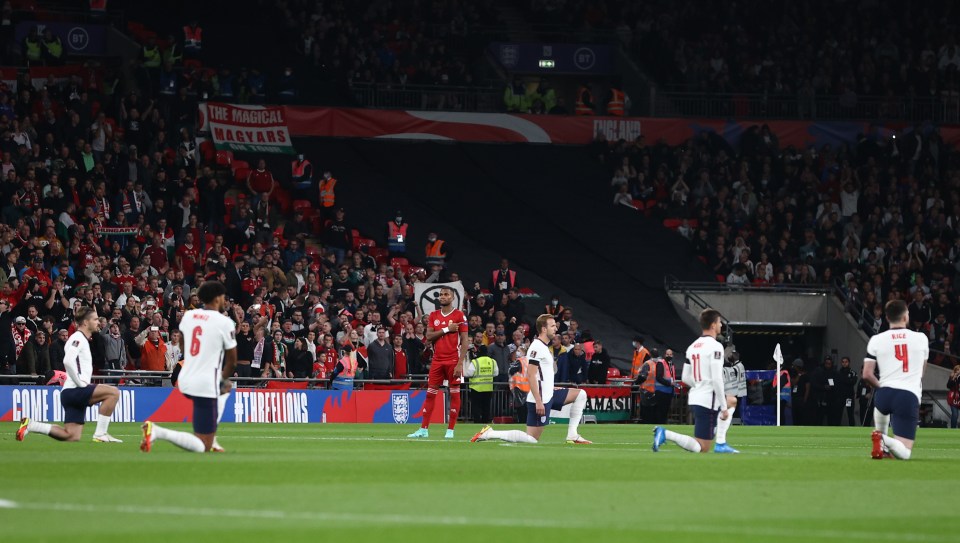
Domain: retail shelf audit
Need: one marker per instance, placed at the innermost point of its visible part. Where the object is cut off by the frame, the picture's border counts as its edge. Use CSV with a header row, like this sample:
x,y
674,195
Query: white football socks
x,y
881,422
39,427
724,425
576,414
103,423
513,436
685,442
896,447
183,440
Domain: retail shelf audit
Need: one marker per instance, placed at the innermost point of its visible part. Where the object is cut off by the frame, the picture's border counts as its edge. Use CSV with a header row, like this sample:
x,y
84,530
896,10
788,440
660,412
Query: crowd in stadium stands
x,y
819,48
878,217
395,43
108,202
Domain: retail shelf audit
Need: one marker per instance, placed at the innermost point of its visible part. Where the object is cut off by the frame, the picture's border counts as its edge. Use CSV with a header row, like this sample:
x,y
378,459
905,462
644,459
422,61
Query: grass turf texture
x,y
369,483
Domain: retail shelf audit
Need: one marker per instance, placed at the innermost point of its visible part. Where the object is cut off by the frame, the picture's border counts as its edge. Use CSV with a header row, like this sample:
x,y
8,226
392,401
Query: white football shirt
x,y
703,372
900,354
206,335
540,354
78,361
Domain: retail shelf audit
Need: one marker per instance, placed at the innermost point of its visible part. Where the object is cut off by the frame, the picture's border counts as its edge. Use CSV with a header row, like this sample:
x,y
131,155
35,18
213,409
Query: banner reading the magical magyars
x,y
259,129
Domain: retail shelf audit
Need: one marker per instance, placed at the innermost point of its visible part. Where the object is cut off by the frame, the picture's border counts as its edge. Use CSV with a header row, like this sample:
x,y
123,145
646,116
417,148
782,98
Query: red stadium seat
x,y
305,206
613,373
379,254
366,242
399,262
415,270
721,278
224,158
208,152
240,174
237,164
314,254
639,204
316,225
672,224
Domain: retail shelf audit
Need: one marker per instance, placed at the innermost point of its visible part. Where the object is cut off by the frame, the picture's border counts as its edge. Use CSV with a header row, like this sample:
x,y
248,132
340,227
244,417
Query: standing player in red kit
x,y
447,329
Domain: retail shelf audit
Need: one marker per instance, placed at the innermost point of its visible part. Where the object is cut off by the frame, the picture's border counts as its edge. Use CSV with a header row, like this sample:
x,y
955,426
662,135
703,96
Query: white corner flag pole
x,y
778,357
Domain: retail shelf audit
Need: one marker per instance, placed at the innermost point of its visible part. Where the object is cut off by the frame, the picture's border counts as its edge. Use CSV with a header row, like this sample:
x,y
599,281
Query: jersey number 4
x,y
195,341
900,351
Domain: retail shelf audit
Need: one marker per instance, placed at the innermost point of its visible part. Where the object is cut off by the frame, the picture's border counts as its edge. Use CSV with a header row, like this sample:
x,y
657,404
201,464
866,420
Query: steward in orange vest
x,y
397,235
617,104
435,251
584,103
640,356
192,39
327,197
301,173
503,279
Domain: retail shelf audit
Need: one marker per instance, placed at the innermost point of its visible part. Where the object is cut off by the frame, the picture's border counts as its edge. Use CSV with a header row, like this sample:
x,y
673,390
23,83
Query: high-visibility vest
x,y
349,362
616,104
638,361
581,108
396,235
786,391
298,168
435,252
54,48
327,197
192,37
510,273
172,54
34,51
483,376
651,384
151,57
519,379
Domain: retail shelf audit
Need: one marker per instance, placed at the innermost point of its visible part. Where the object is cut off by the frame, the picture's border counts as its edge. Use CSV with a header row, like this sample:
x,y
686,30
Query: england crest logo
x,y
400,405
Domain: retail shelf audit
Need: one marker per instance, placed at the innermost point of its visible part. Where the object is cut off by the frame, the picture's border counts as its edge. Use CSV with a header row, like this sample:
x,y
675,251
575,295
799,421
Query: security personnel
x,y
584,103
52,48
519,384
514,97
397,235
192,39
640,356
435,251
33,48
847,389
617,103
346,369
301,176
327,197
666,376
150,54
481,370
173,54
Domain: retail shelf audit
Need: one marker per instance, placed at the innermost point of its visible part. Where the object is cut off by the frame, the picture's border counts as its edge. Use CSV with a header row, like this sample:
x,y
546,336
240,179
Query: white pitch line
x,y
355,518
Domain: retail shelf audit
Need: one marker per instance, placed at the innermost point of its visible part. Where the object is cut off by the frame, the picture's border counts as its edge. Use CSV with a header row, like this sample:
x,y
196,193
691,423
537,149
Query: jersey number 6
x,y
195,341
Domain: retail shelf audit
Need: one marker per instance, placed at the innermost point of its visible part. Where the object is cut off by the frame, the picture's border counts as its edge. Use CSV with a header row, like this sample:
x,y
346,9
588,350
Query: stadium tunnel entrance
x,y
756,342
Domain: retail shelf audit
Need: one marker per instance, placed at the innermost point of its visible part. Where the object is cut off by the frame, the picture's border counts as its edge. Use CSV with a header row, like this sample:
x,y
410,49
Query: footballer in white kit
x,y
78,392
209,360
703,373
901,356
543,397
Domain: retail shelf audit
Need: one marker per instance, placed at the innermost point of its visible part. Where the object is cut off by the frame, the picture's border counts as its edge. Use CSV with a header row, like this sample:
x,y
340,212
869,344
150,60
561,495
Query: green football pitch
x,y
369,483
